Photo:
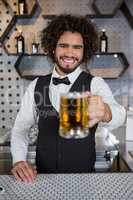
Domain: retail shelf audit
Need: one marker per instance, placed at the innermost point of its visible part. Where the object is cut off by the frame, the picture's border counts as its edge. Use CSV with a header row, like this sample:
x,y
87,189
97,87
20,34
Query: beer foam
x,y
73,95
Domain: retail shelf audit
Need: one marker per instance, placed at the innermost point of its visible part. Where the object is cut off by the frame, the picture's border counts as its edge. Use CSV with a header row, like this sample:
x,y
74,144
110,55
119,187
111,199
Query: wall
x,y
12,86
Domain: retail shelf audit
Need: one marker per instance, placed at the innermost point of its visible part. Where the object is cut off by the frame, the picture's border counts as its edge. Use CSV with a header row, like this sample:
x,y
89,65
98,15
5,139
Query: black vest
x,y
55,154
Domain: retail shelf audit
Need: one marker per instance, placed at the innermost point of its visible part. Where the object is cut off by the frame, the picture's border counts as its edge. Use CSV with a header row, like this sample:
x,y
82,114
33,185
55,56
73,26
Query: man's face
x,y
69,52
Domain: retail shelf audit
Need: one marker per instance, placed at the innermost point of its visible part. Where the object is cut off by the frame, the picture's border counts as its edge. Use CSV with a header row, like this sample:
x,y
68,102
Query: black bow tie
x,y
57,81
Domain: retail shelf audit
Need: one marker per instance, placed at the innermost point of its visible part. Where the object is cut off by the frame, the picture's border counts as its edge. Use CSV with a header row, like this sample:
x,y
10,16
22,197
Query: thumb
x,y
88,93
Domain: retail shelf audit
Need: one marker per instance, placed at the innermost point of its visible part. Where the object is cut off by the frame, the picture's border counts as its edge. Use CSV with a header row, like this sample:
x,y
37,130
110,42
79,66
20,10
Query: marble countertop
x,y
69,186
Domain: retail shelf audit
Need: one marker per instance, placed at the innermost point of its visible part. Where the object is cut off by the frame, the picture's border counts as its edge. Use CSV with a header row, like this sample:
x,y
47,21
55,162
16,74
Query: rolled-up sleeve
x,y
101,88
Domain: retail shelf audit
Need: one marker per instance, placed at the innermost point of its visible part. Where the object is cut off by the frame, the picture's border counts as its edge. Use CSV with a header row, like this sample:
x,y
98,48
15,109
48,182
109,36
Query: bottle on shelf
x,y
103,42
22,7
20,43
0,48
35,46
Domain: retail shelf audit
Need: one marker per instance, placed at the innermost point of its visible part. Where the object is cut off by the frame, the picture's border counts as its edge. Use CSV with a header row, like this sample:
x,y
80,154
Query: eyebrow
x,y
65,45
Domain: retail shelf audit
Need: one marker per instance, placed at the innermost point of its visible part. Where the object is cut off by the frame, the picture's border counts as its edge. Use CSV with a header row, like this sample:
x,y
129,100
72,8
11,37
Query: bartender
x,y
70,42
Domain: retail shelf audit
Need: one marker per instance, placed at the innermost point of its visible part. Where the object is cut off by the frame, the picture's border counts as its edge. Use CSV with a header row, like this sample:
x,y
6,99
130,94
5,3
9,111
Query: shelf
x,y
30,66
6,14
106,8
32,6
90,16
108,65
10,18
126,10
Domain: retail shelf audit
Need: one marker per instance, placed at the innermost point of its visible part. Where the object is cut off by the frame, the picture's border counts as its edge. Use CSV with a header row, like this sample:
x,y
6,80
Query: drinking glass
x,y
74,115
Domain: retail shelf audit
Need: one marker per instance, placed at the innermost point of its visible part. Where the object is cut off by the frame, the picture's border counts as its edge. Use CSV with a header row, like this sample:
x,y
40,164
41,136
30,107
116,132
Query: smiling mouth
x,y
68,60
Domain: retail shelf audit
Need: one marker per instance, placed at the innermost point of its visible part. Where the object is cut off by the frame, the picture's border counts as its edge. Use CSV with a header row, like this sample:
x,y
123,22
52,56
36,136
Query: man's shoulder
x,y
34,82
43,80
86,75
44,77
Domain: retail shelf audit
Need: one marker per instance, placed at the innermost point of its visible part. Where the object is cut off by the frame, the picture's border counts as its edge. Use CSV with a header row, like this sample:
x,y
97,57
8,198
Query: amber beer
x,y
74,115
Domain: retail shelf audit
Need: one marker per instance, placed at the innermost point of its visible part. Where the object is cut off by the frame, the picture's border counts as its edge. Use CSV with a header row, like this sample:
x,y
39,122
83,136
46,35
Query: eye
x,y
63,45
77,46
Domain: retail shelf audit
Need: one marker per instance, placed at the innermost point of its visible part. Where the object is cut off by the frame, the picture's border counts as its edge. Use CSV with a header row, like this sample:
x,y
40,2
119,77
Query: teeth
x,y
68,60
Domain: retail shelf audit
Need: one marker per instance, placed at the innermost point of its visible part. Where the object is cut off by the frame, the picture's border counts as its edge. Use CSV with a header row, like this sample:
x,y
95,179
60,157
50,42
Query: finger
x,y
93,122
35,169
94,101
35,172
96,98
27,174
22,172
99,114
29,171
19,173
87,94
16,175
23,175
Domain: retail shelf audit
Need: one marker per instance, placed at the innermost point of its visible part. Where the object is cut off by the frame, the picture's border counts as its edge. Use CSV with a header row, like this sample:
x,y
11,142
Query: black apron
x,y
55,154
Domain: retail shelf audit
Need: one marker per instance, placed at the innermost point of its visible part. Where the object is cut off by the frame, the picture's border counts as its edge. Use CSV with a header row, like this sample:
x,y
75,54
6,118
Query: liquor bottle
x,y
35,46
20,43
103,41
22,7
0,48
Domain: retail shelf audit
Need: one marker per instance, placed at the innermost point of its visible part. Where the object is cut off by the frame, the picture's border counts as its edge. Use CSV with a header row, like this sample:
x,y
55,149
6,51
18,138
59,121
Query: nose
x,y
69,51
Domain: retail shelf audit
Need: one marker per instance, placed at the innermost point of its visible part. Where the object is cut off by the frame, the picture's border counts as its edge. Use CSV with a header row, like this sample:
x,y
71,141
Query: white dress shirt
x,y
27,115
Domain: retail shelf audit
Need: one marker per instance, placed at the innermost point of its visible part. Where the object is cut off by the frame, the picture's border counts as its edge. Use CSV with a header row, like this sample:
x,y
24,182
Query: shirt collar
x,y
72,76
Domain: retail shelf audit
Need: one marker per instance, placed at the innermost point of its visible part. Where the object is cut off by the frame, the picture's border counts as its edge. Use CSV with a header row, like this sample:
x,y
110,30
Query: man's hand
x,y
98,110
24,171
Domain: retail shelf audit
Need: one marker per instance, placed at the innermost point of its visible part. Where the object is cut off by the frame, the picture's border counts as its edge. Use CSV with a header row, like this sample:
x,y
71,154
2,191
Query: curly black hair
x,y
62,23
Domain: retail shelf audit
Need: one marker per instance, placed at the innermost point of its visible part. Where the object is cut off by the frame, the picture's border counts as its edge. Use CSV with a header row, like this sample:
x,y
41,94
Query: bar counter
x,y
99,186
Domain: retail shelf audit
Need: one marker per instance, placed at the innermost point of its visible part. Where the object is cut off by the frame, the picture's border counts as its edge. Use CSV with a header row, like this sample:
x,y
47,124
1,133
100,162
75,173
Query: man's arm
x,y
105,109
19,138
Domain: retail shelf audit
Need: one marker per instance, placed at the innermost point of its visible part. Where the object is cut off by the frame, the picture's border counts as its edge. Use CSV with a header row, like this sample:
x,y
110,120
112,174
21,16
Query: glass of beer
x,y
74,115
